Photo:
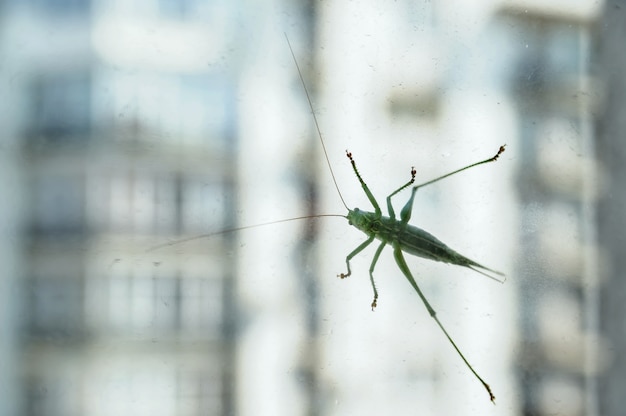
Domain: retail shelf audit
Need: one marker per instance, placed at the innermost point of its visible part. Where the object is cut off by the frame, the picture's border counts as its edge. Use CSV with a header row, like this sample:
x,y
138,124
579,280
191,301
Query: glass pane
x,y
173,237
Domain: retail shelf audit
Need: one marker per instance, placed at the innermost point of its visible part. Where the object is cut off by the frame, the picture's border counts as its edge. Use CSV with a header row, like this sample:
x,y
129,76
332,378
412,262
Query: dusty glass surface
x,y
129,126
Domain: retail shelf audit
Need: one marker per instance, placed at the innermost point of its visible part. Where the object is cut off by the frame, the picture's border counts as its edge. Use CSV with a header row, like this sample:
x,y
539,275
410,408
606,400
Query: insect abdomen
x,y
412,240
418,242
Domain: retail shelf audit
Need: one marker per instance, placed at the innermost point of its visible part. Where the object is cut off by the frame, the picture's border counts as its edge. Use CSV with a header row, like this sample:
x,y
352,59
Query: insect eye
x,y
356,210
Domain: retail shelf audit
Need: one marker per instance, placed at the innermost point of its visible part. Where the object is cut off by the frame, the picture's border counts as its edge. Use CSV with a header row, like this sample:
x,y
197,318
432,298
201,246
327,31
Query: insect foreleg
x,y
369,194
397,254
354,253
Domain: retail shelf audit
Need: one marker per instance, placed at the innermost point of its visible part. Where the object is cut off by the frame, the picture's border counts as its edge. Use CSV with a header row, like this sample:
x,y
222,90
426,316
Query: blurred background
x,y
130,125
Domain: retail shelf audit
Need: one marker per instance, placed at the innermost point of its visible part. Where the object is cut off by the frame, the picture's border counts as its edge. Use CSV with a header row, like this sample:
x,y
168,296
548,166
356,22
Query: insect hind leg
x,y
482,162
405,214
392,214
399,257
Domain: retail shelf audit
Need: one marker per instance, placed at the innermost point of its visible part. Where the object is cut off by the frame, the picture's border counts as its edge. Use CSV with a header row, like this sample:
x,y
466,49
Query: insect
x,y
398,233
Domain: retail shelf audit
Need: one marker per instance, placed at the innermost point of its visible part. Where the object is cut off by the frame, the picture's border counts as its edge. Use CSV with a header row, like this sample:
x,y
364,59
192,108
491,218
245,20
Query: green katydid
x,y
399,234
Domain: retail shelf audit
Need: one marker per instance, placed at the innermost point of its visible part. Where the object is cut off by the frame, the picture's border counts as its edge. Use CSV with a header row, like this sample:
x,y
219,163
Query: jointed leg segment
x,y
401,262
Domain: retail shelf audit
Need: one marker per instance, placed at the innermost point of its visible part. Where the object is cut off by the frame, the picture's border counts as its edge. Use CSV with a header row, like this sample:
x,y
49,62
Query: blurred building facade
x,y
120,146
126,127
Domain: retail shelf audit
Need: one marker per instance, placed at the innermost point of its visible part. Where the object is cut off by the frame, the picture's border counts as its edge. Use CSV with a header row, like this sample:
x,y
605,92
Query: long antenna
x,y
319,133
317,126
230,230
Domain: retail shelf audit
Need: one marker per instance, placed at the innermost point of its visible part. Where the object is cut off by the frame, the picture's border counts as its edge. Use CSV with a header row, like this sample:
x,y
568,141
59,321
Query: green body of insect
x,y
409,239
406,238
400,235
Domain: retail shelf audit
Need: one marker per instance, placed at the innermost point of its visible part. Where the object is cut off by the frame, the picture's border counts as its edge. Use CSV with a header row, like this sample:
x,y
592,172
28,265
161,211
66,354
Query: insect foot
x,y
500,151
